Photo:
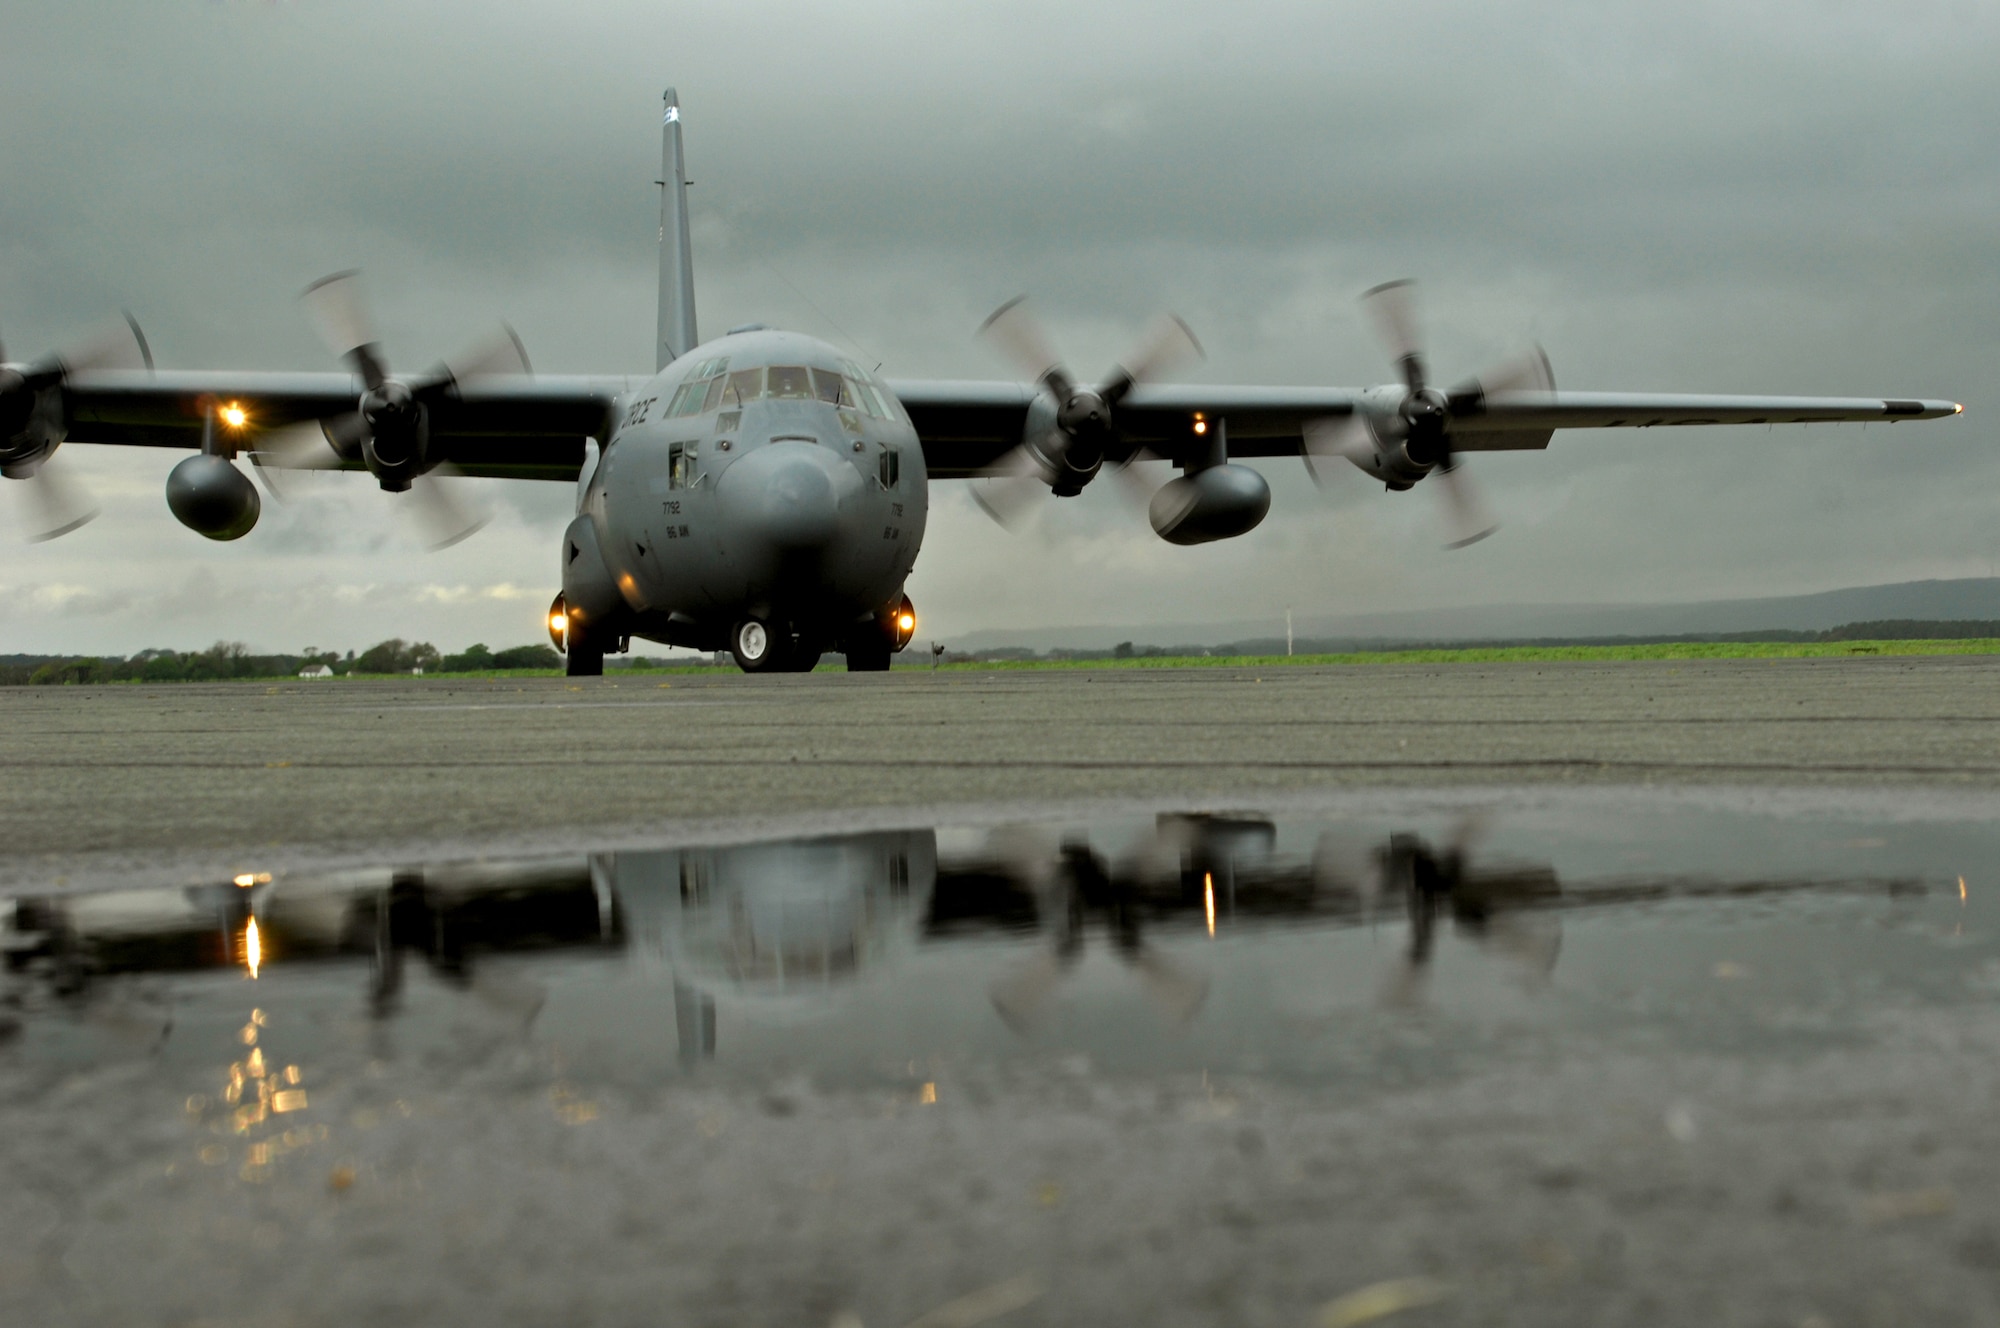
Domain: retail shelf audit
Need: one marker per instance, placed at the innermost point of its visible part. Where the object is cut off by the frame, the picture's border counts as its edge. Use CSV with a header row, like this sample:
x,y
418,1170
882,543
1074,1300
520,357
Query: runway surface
x,y
220,769
1467,995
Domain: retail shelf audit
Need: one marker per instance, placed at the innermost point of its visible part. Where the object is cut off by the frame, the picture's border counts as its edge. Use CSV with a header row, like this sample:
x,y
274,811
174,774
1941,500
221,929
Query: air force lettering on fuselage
x,y
762,495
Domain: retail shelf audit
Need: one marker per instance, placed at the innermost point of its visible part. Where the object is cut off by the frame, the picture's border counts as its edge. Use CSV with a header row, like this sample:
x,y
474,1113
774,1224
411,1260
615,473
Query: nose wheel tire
x,y
755,646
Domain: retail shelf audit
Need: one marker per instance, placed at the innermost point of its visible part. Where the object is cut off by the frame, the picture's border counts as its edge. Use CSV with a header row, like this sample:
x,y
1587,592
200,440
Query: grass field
x,y
1534,654
1687,650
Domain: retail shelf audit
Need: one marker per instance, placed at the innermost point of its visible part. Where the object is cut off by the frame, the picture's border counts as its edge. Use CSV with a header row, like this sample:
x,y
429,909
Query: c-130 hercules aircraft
x,y
763,493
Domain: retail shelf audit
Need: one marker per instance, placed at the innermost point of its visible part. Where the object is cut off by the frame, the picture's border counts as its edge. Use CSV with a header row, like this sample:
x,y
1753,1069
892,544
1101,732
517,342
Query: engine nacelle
x,y
211,497
1220,502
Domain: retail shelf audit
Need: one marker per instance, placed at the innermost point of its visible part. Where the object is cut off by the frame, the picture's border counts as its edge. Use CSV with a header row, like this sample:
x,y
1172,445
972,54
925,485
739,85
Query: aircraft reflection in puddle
x,y
787,925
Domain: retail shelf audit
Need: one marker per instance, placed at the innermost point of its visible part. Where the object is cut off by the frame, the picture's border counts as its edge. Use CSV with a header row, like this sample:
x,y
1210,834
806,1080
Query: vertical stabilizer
x,y
677,334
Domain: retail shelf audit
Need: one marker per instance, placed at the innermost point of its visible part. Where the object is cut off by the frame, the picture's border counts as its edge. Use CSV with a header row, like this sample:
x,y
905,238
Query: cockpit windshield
x,y
792,381
711,386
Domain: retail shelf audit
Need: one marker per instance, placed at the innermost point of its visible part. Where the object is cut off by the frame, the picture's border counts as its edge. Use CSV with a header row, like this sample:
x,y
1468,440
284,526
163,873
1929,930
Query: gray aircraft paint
x,y
677,331
782,515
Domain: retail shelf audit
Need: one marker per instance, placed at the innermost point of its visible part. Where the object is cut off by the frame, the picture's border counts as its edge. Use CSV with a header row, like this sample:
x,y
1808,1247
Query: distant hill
x,y
1970,599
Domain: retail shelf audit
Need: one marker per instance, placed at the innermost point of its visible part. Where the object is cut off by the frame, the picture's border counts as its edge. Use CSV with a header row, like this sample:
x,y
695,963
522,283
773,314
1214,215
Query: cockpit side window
x,y
790,380
870,395
745,385
829,387
702,391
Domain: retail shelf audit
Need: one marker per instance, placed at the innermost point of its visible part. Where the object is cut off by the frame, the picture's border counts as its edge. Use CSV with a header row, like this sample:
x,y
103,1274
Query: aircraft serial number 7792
x,y
764,494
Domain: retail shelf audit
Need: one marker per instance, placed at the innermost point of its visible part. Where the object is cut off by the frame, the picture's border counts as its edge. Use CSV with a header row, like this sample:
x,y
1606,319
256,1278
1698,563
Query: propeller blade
x,y
1392,308
58,502
1529,371
1341,864
1018,335
340,314
1137,485
1467,518
119,347
1012,488
1531,944
442,510
1344,438
1021,997
500,354
1169,343
1176,989
1467,831
307,445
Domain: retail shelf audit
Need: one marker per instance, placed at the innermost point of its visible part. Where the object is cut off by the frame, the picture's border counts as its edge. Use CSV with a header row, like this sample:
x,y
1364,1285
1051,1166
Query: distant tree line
x,y
232,659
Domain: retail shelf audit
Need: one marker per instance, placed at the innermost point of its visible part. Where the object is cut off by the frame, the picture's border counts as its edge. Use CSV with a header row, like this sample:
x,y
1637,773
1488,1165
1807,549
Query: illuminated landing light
x,y
1957,409
234,415
248,879
559,624
1200,423
253,948
1208,899
927,1095
1961,889
907,623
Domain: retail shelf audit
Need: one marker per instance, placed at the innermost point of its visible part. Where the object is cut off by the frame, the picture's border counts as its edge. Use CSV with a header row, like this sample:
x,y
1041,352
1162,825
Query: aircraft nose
x,y
785,494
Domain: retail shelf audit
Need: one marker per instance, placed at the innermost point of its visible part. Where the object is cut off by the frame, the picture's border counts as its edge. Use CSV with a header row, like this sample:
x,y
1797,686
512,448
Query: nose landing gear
x,y
765,647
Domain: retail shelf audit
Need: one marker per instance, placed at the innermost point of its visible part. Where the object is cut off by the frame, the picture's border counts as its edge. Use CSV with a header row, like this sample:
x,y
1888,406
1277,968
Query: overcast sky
x,y
1783,197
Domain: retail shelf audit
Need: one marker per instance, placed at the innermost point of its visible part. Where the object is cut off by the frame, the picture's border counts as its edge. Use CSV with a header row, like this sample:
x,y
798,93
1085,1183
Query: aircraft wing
x,y
967,426
507,428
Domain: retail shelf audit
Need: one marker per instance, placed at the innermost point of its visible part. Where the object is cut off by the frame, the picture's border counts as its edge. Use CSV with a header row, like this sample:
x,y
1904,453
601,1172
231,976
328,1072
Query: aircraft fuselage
x,y
762,477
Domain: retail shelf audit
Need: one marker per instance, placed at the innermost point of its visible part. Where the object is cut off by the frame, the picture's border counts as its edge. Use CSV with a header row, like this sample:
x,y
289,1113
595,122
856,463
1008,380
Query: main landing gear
x,y
583,653
872,643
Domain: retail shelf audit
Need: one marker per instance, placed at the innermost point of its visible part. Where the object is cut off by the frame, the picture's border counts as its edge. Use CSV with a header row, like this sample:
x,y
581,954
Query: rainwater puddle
x,y
1336,953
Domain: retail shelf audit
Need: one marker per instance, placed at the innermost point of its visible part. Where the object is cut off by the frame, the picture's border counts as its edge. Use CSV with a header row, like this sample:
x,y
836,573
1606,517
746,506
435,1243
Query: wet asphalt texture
x,y
1606,1177
147,769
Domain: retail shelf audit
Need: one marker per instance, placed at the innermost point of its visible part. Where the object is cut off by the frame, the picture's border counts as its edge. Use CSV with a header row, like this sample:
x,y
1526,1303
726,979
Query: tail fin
x,y
677,335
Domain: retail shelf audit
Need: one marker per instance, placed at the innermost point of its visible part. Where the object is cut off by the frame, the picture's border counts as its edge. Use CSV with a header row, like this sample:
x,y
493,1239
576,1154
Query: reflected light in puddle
x,y
1208,899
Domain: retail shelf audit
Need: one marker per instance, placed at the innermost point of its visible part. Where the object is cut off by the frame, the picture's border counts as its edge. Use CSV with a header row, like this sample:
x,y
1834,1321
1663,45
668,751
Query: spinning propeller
x,y
1427,428
31,426
1072,428
388,431
1069,882
1507,911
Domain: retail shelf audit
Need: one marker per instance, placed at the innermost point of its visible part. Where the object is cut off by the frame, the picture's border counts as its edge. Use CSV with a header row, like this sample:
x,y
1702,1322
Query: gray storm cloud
x,y
1790,197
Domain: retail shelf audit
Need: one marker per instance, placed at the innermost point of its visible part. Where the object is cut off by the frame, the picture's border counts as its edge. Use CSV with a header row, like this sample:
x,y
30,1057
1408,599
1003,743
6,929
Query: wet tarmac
x,y
1518,1056
104,782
